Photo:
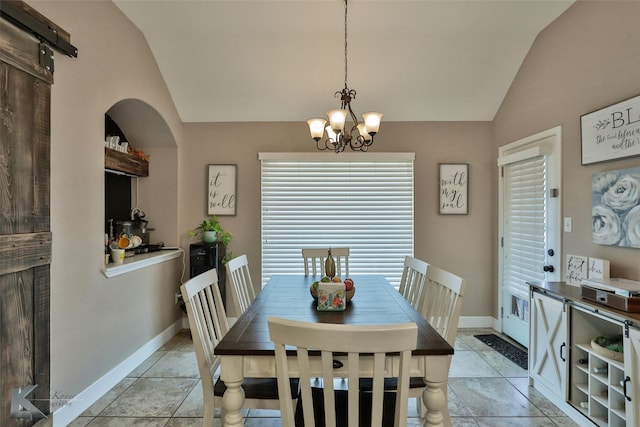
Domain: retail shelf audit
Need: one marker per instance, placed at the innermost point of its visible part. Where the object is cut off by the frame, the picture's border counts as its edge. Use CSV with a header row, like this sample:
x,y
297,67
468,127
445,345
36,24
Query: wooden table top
x,y
375,302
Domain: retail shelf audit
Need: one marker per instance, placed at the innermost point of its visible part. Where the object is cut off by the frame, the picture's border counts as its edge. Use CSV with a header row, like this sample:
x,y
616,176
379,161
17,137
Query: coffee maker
x,y
139,225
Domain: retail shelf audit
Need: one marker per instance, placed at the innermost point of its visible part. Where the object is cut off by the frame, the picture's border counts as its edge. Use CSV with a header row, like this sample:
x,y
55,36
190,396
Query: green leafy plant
x,y
613,343
211,223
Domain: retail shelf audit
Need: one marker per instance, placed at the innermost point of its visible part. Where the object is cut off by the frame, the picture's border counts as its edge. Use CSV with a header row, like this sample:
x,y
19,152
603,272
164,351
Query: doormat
x,y
516,355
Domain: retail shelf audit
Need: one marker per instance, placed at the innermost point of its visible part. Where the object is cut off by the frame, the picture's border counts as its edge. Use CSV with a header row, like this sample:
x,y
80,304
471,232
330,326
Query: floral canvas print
x,y
615,211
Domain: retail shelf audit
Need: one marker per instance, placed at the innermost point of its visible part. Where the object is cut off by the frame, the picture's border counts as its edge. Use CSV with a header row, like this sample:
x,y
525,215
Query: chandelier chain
x,y
358,136
345,43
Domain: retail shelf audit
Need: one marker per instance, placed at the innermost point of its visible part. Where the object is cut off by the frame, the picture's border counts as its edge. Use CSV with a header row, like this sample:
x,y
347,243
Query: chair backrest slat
x,y
314,259
207,321
413,280
242,291
442,302
358,342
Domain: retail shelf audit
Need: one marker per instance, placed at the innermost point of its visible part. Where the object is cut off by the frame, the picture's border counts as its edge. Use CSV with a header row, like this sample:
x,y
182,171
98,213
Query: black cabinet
x,y
205,256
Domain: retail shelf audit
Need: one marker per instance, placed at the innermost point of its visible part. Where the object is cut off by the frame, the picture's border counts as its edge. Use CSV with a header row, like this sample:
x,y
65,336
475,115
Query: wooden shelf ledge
x,y
125,162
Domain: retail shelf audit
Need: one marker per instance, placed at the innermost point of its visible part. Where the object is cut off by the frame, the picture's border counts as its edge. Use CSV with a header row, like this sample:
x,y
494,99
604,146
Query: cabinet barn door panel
x,y
632,376
25,236
549,335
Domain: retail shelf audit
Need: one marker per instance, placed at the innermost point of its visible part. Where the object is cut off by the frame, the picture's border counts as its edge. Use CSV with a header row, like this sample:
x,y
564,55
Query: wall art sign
x,y
612,132
576,269
615,208
598,268
221,189
453,181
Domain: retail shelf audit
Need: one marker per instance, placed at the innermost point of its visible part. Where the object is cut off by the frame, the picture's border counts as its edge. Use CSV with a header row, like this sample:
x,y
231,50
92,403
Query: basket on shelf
x,y
609,347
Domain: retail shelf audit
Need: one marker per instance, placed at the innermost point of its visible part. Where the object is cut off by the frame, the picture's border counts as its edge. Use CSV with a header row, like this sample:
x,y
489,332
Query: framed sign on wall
x,y
221,189
612,132
453,181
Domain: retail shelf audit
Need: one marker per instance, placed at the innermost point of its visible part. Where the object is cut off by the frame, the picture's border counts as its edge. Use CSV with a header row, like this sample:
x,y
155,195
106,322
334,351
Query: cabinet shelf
x,y
601,400
616,389
583,369
125,163
619,413
583,388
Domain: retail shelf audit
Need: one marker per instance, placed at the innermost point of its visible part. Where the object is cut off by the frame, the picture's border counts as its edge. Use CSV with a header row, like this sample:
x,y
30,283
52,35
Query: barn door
x,y
25,236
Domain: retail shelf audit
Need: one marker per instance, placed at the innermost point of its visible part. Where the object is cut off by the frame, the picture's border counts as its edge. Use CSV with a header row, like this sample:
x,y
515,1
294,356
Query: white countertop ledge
x,y
140,261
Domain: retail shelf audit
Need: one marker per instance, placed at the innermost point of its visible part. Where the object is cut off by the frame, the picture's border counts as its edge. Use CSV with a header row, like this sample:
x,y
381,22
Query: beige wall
x,y
586,59
459,243
96,322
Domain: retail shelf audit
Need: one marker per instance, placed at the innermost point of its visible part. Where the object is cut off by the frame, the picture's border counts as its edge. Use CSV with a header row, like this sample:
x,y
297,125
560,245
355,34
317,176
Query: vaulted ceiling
x,y
267,60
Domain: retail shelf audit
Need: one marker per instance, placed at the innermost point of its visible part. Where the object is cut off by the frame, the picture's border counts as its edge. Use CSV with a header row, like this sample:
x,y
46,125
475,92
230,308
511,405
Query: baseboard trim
x,y
74,408
471,322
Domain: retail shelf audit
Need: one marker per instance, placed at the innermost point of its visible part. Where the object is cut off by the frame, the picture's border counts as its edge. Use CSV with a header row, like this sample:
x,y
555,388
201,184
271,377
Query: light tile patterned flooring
x,y
485,389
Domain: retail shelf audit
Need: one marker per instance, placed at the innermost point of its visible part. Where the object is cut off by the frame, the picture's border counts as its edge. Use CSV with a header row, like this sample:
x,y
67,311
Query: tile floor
x,y
485,389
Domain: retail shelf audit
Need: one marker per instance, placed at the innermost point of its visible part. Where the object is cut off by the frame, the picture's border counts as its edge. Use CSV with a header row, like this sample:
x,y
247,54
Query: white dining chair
x,y
314,259
412,282
440,304
208,324
360,346
242,291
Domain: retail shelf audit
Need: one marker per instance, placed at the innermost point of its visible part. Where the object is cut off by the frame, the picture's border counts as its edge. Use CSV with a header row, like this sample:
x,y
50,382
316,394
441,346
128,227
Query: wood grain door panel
x,y
25,237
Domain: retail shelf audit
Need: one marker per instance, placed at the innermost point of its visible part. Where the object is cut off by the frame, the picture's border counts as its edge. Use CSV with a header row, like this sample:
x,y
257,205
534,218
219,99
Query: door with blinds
x,y
529,241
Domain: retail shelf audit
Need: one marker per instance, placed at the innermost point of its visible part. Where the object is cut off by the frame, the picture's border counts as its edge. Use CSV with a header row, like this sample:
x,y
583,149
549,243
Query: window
x,y
364,202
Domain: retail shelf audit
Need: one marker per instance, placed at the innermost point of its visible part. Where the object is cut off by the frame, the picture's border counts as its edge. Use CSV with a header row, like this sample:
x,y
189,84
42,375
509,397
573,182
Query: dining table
x,y
247,351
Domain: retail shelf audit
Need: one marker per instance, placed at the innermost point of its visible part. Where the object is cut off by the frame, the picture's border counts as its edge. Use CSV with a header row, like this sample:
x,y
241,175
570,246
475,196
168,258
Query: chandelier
x,y
359,135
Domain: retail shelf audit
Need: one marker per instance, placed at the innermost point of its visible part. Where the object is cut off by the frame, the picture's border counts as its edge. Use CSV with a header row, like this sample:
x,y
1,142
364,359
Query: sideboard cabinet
x,y
566,368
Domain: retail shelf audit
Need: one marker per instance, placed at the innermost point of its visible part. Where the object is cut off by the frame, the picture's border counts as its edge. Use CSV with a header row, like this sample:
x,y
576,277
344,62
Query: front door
x,y
529,225
25,236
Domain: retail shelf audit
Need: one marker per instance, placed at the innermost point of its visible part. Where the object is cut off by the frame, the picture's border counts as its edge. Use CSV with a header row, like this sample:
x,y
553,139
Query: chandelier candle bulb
x,y
363,131
337,119
316,128
331,134
372,122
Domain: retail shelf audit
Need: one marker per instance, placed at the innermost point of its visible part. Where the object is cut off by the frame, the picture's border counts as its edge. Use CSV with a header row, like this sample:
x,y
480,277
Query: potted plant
x,y
211,231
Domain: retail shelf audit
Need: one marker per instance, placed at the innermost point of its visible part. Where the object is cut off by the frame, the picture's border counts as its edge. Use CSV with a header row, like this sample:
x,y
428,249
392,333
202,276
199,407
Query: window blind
x,y
365,203
525,230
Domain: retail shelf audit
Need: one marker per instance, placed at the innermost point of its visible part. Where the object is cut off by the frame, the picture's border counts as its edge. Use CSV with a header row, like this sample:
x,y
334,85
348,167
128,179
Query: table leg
x,y
233,399
433,396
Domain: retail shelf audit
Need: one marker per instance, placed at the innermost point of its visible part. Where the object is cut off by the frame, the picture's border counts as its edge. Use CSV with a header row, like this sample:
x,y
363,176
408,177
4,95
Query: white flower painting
x,y
615,213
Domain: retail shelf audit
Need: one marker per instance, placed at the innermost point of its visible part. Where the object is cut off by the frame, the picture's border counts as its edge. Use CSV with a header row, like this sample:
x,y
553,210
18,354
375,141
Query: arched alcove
x,y
156,194
142,124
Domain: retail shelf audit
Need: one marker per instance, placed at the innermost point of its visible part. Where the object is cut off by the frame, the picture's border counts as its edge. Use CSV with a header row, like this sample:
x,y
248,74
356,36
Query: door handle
x,y
548,268
624,388
564,345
